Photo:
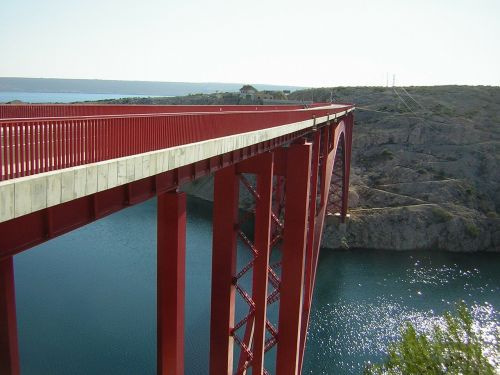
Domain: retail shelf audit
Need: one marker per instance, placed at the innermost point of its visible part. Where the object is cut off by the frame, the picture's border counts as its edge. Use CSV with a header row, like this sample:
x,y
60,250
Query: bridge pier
x,y
9,352
225,220
294,246
171,273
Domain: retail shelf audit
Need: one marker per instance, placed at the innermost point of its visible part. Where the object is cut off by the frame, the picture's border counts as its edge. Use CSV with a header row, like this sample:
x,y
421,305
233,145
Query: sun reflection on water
x,y
369,301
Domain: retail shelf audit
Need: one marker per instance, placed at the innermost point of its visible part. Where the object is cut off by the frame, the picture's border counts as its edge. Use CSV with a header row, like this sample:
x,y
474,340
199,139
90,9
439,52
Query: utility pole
x,y
393,80
387,79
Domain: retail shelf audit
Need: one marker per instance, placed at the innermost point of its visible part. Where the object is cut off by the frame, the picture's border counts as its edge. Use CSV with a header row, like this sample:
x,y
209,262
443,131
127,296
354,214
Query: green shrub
x,y
443,110
471,113
387,154
472,230
454,349
442,215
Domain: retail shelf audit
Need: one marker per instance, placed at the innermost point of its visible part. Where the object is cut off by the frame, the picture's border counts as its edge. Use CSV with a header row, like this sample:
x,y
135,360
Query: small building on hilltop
x,y
248,92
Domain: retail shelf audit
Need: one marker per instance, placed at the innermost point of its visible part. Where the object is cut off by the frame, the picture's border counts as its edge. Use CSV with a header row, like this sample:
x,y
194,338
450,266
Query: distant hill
x,y
95,86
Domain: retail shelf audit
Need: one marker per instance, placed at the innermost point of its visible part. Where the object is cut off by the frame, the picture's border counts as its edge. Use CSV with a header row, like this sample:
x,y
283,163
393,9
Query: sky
x,y
305,43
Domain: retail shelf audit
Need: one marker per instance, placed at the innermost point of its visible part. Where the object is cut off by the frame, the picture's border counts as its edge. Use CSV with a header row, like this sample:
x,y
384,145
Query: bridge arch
x,y
339,185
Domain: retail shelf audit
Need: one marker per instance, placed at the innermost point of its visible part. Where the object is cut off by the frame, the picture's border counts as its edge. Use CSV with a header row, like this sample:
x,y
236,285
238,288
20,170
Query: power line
x,y
412,98
399,96
373,110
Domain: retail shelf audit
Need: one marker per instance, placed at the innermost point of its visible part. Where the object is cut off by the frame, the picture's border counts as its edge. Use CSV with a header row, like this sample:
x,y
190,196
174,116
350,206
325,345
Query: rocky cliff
x,y
426,168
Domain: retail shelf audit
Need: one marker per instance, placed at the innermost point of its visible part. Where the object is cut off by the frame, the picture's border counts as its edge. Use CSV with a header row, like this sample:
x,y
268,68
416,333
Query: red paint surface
x,y
225,218
33,145
9,353
294,246
171,280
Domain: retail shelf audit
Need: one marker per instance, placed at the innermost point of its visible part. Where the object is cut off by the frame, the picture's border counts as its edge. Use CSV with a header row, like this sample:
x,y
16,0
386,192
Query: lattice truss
x,y
335,197
247,254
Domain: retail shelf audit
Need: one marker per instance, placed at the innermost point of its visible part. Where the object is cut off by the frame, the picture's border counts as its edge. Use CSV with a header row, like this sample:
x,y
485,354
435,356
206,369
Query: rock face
x,y
425,226
425,169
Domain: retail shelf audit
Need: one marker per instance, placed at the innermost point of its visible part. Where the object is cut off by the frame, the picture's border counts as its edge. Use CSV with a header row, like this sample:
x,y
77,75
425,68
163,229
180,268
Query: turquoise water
x,y
86,301
56,97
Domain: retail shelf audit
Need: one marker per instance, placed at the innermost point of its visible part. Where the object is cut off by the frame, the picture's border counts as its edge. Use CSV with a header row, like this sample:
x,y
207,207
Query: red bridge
x,y
64,166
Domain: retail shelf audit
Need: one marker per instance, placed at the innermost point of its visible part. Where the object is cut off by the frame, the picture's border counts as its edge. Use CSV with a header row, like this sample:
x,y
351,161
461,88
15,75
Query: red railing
x,y
70,110
35,145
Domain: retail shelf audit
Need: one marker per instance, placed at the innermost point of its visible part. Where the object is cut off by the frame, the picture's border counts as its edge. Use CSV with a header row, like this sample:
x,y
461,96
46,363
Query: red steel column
x,y
294,245
260,272
225,219
310,247
312,215
9,352
171,272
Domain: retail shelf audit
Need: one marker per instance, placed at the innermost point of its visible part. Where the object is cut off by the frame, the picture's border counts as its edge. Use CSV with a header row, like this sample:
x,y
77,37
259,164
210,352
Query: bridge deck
x,y
46,161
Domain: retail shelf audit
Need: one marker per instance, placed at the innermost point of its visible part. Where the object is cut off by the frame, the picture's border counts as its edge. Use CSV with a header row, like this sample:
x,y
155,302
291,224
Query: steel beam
x,y
9,352
347,164
171,273
294,245
225,220
326,171
29,230
310,247
260,272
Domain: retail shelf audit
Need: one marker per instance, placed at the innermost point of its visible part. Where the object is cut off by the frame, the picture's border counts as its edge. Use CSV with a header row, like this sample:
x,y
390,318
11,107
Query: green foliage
x,y
443,110
387,154
472,230
471,113
453,349
441,215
